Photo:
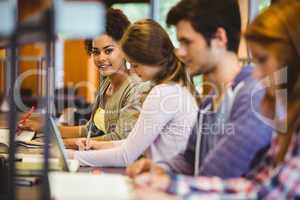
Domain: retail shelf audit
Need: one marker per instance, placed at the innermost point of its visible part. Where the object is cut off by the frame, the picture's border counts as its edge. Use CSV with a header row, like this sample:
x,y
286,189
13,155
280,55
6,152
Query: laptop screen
x,y
58,148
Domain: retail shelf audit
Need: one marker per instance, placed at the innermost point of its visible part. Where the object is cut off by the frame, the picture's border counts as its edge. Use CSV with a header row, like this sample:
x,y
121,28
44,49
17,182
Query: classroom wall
x,y
27,8
29,69
94,79
76,70
79,70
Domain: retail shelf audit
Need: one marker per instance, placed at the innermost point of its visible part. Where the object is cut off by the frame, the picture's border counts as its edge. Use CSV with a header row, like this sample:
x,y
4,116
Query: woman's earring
x,y
127,65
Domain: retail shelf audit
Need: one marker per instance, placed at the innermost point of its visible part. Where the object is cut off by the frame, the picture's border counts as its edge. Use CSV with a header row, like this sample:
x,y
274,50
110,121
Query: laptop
x,y
77,186
59,148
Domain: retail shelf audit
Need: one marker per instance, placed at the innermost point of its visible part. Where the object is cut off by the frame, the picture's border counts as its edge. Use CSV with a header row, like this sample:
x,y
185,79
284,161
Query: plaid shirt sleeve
x,y
284,184
189,188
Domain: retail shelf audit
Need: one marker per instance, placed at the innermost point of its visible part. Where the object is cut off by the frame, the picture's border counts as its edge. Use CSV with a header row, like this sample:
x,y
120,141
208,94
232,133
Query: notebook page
x,y
24,136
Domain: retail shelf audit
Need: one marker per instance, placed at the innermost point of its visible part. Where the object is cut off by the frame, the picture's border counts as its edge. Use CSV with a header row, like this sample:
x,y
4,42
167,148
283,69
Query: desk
x,y
33,192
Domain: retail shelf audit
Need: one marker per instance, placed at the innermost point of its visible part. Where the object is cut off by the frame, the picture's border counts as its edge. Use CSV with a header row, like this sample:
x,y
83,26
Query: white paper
x,y
24,136
79,186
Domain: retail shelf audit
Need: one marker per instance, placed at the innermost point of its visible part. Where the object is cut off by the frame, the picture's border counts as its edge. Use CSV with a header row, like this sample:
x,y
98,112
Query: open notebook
x,y
25,138
78,186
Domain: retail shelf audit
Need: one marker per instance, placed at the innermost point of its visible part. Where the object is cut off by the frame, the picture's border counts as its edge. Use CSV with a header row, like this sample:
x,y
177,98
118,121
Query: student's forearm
x,y
72,131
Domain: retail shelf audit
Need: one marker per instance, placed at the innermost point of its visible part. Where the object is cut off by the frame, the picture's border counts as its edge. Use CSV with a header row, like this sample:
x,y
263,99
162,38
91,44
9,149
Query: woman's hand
x,y
159,182
71,143
83,145
143,165
92,144
34,122
31,125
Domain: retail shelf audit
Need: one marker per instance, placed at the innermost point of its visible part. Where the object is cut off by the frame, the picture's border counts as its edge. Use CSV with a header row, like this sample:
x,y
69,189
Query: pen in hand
x,y
86,143
24,119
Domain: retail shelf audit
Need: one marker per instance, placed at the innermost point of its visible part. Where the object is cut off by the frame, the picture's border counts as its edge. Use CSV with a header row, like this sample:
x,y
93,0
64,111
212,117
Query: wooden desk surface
x,y
34,192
